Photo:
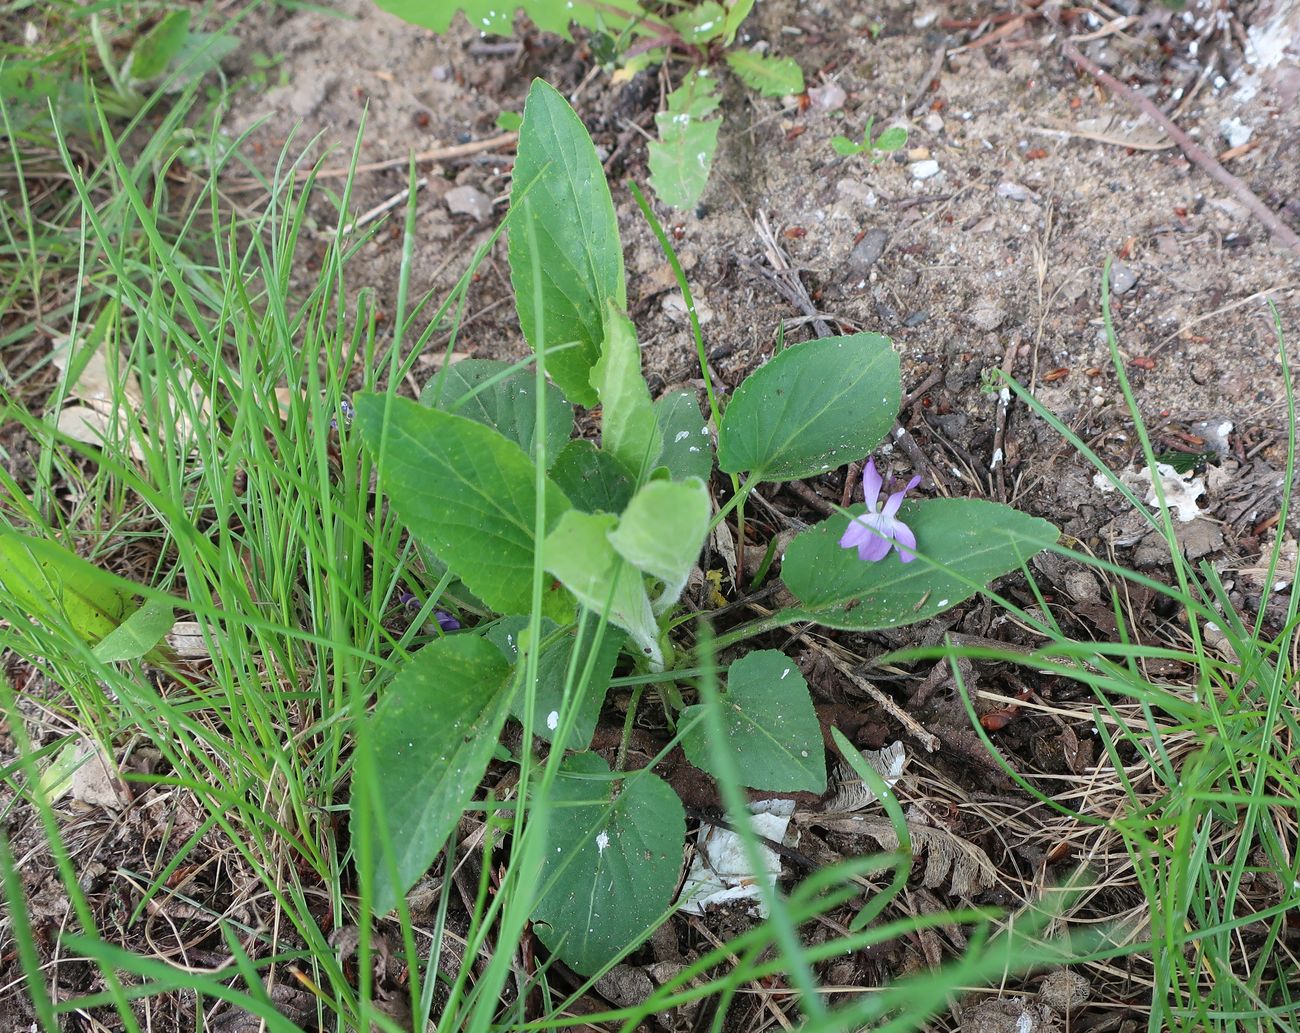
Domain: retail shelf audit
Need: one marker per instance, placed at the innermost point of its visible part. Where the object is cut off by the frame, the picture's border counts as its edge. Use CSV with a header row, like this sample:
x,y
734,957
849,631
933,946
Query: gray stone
x,y
1122,278
469,201
987,314
867,252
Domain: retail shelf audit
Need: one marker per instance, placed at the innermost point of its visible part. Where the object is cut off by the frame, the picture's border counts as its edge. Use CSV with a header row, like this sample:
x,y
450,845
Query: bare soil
x,y
992,263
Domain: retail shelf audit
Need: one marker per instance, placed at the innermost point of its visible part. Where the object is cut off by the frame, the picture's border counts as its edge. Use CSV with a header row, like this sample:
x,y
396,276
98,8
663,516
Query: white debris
x,y
1180,490
1235,131
851,793
925,169
719,871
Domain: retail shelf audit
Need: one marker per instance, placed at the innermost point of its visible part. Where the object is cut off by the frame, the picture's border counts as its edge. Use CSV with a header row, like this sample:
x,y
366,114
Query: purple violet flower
x,y
445,620
878,530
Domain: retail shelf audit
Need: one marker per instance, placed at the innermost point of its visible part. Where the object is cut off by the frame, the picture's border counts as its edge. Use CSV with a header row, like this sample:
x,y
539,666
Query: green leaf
x,y
770,76
138,635
662,531
199,54
843,145
688,448
579,553
552,673
154,51
773,734
892,139
811,408
974,541
497,18
737,12
576,231
701,23
509,121
681,158
615,853
431,737
499,396
49,581
628,429
467,493
594,481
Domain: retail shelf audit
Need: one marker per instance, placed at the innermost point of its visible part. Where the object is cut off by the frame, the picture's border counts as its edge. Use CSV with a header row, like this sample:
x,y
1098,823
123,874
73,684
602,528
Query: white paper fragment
x,y
1180,490
851,793
720,874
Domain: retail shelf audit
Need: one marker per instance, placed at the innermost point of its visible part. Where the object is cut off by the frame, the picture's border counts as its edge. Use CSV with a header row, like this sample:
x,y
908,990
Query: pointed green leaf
x,y
892,139
499,396
770,76
628,429
468,494
773,734
614,852
594,480
681,158
553,672
497,17
431,737
974,541
688,448
662,531
737,12
138,635
843,145
154,51
46,580
813,407
700,24
579,553
576,232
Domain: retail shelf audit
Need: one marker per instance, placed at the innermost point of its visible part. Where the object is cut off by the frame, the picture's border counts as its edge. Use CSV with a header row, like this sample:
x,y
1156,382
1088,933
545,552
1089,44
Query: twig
x,y
932,71
811,497
460,150
914,728
1280,231
379,209
998,463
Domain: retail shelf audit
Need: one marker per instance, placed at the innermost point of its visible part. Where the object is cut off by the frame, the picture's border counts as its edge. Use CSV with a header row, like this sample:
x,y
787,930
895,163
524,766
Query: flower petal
x,y
896,499
874,550
871,484
855,534
904,541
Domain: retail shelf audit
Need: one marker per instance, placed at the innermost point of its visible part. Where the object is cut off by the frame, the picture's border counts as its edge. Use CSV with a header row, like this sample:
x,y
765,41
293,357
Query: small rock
x,y
1015,191
918,153
1235,131
95,781
858,193
924,19
925,169
867,252
1122,278
469,201
830,97
987,314
916,318
932,123
674,307
1064,991
1215,433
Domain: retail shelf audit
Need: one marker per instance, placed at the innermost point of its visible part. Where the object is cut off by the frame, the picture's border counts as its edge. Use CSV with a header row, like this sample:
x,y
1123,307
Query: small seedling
x,y
892,139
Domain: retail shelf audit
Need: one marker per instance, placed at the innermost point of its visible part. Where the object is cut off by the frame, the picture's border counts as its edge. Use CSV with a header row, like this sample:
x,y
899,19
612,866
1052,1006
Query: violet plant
x,y
568,561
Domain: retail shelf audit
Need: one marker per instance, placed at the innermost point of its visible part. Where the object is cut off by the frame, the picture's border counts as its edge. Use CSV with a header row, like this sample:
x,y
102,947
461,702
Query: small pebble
x,y
1122,278
925,169
1015,191
867,252
932,123
987,314
830,97
469,201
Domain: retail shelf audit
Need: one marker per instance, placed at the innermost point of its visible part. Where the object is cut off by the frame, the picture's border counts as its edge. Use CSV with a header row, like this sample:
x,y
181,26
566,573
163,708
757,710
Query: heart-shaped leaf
x,y
468,494
773,735
968,543
431,737
688,448
813,407
502,397
615,852
593,479
662,531
553,672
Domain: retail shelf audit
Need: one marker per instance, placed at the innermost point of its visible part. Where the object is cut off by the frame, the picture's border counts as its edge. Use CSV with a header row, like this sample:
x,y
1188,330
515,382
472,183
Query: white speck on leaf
x,y
602,841
553,720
